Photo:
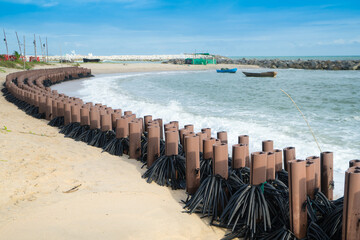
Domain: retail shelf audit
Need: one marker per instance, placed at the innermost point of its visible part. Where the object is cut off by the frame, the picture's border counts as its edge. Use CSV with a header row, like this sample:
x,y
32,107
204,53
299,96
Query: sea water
x,y
329,100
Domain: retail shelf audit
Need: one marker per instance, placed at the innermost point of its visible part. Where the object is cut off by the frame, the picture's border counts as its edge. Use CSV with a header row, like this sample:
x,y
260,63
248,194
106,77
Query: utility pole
x,y
7,50
60,56
47,51
35,47
18,43
41,48
24,53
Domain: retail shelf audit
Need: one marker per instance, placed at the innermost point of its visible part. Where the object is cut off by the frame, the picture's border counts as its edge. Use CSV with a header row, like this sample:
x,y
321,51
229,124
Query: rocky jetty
x,y
277,63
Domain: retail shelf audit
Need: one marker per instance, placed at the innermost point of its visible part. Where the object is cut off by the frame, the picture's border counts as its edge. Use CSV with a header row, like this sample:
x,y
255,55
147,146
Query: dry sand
x,y
150,67
37,165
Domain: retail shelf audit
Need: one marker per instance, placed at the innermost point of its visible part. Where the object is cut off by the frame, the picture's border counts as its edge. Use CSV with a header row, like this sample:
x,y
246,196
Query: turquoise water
x,y
330,101
331,58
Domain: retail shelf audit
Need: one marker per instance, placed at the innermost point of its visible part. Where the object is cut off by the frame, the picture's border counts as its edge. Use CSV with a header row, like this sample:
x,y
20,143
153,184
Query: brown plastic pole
x,y
67,113
153,147
115,115
238,156
208,148
186,133
54,108
37,99
75,113
85,116
90,104
258,168
169,126
327,180
244,139
171,143
310,179
207,131
297,197
222,136
160,121
131,116
126,113
109,110
105,121
102,111
48,108
354,163
202,136
32,99
181,135
147,119
130,120
176,124
153,123
135,140
60,109
270,166
192,164
141,120
351,209
122,128
42,104
268,146
289,154
278,160
317,170
220,161
189,127
94,118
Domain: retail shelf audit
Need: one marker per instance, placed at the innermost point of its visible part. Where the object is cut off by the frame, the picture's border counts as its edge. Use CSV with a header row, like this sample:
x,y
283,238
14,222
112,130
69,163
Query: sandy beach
x,y
38,165
153,67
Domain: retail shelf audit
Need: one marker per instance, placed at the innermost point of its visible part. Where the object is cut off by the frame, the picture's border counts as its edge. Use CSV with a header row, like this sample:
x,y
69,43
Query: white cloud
x,y
336,22
50,4
41,3
124,3
339,41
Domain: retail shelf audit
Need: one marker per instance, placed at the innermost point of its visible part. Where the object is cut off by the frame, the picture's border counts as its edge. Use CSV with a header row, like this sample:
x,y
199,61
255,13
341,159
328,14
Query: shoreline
x,y
38,165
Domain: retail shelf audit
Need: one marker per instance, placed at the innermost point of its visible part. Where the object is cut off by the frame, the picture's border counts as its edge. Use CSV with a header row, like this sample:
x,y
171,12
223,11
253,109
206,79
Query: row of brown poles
x,y
31,91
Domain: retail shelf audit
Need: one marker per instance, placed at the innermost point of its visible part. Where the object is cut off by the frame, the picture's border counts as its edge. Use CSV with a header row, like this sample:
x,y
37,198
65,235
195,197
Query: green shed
x,y
201,59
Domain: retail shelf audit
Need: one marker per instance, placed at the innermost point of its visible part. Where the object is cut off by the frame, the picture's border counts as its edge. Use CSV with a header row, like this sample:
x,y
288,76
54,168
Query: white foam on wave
x,y
101,90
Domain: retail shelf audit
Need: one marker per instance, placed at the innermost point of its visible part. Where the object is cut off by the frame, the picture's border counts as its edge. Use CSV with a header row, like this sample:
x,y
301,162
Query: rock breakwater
x,y
297,64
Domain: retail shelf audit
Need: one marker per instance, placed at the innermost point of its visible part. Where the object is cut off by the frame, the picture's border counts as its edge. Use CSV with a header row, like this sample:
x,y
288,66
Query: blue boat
x,y
227,70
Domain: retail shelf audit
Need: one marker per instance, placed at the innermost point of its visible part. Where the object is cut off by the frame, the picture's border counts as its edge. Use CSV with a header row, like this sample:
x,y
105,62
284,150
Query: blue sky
x,y
231,28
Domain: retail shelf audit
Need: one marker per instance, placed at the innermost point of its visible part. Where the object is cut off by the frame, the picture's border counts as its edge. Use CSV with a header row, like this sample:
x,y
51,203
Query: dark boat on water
x,y
227,70
263,74
91,60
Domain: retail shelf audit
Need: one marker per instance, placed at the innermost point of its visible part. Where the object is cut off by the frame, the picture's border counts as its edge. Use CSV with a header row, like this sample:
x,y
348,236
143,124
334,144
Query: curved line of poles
x,y
249,194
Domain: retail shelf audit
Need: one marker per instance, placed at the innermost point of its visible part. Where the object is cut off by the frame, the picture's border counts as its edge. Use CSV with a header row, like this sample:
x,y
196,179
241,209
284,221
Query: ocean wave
x,y
176,95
